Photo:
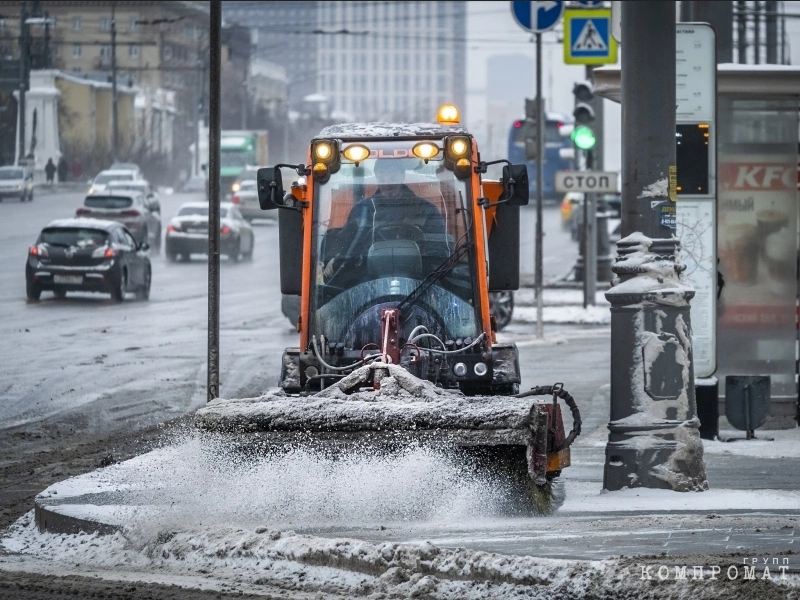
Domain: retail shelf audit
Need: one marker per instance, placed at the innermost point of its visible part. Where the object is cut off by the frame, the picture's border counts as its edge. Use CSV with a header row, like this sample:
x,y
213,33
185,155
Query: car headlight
x,y
19,186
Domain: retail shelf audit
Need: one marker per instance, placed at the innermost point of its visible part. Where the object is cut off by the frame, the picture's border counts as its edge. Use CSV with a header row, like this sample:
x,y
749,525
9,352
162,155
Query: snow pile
x,y
266,560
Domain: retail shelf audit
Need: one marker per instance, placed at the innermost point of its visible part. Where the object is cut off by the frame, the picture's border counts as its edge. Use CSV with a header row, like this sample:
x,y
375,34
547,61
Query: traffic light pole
x,y
24,51
589,241
653,433
539,191
114,112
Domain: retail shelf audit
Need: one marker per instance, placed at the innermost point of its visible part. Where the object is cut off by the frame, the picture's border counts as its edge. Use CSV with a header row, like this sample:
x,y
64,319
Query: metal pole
x,y
771,20
653,432
198,107
215,65
539,191
756,33
23,78
741,30
114,112
590,295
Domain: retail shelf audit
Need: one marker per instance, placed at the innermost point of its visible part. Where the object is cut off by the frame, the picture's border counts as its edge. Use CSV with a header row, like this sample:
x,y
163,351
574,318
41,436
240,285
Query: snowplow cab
x,y
393,242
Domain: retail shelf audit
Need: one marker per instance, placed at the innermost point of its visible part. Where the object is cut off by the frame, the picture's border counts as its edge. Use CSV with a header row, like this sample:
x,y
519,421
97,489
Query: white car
x,y
100,183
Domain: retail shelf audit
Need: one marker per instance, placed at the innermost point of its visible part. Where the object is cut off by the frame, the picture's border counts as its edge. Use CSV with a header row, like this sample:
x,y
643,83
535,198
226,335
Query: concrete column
x,y
654,439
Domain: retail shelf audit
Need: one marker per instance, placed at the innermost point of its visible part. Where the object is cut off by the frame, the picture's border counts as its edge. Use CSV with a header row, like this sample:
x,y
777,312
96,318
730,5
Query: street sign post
x,y
587,37
538,17
586,181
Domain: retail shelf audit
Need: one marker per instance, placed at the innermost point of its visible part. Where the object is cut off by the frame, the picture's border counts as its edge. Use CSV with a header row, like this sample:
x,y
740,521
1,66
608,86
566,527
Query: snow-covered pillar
x,y
42,100
654,440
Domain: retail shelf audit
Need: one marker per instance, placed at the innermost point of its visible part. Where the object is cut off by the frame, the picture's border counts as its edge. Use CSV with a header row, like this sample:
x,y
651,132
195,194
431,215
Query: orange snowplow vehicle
x,y
393,241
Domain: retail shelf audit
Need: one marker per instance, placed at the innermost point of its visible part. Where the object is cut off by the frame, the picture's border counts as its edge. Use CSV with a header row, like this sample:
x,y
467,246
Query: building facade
x,y
284,37
391,60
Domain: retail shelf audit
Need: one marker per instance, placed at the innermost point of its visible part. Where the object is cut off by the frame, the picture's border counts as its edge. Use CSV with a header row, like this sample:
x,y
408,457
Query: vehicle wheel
x,y
501,305
157,242
236,255
118,293
143,293
186,257
171,256
34,292
60,294
30,198
249,254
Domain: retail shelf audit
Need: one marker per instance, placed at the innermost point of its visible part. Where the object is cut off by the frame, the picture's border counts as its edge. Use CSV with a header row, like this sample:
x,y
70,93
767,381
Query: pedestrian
x,y
62,170
50,171
77,170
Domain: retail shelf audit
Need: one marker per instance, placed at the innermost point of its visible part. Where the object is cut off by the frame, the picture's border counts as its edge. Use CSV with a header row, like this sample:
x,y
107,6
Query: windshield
x,y
73,236
235,158
106,177
136,187
11,174
379,230
201,211
107,202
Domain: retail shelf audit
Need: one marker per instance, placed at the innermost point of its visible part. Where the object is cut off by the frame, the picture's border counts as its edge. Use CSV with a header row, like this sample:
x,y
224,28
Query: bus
x,y
553,142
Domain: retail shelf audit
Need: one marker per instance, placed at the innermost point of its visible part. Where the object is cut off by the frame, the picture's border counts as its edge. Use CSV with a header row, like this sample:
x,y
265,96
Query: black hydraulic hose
x,y
559,391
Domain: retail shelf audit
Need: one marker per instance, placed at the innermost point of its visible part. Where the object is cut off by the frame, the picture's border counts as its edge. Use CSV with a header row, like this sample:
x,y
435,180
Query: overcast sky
x,y
492,31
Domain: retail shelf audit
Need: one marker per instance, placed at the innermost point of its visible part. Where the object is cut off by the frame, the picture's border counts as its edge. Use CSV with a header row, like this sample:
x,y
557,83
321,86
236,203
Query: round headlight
x,y
236,186
480,369
462,164
458,147
356,153
460,369
425,150
323,151
320,169
447,113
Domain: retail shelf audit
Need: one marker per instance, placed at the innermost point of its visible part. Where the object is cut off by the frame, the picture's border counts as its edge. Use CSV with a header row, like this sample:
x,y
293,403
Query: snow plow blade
x,y
518,438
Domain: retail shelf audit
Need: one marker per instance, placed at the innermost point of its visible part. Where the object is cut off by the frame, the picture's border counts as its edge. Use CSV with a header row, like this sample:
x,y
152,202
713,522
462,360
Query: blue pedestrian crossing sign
x,y
537,17
587,37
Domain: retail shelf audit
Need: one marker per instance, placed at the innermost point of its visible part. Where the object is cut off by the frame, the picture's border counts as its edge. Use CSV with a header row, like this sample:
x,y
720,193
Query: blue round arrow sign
x,y
537,17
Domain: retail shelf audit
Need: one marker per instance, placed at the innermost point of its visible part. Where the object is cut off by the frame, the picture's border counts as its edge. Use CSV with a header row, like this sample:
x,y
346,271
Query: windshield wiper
x,y
436,275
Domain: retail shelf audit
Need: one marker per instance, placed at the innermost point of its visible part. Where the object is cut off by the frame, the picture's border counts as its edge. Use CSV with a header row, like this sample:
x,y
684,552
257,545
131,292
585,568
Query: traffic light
x,y
583,136
583,112
529,130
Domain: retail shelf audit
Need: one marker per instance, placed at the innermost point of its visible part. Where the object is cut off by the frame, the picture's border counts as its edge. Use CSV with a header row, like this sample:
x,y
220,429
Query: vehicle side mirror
x,y
270,188
144,246
515,185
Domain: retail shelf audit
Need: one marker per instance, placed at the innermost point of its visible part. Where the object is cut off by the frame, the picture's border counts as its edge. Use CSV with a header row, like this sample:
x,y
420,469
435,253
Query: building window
x,y
133,51
133,24
105,23
105,51
2,24
76,23
167,53
77,51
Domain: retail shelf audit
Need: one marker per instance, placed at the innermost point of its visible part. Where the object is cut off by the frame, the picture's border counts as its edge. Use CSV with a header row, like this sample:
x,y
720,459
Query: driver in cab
x,y
393,212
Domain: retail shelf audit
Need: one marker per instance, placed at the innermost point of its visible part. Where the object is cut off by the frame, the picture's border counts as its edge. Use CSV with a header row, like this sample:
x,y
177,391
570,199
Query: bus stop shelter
x,y
758,178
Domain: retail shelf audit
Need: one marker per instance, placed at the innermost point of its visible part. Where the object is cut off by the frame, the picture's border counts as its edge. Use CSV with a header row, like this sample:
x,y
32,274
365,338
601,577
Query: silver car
x,y
16,182
103,178
131,208
247,201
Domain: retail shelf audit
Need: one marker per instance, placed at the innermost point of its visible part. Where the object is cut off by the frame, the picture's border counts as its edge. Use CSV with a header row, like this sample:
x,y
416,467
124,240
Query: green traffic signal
x,y
583,137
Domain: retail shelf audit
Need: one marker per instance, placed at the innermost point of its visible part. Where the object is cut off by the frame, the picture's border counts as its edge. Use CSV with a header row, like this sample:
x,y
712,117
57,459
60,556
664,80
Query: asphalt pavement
x,y
86,366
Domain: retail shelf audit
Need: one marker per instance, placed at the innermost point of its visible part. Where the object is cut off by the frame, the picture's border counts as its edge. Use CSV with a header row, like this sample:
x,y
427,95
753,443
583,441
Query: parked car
x,y
247,201
187,232
16,182
103,178
87,255
132,167
129,207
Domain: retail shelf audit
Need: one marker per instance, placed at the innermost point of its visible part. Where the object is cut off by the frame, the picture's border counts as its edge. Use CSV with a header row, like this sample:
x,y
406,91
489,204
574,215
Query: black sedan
x,y
87,255
187,232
